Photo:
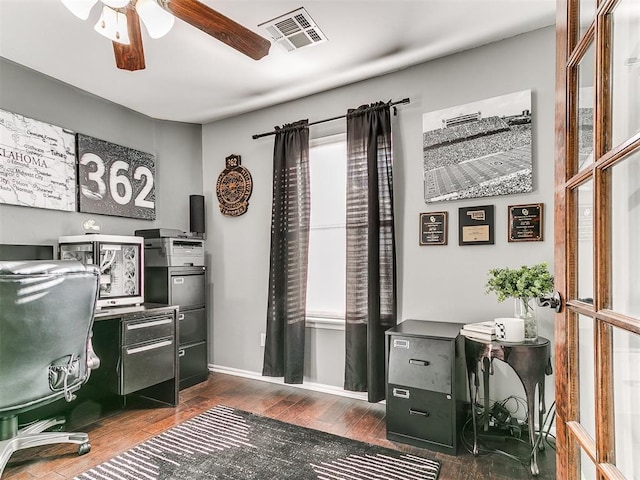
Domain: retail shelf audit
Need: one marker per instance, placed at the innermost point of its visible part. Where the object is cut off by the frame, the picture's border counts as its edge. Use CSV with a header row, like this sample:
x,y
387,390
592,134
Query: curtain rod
x,y
391,104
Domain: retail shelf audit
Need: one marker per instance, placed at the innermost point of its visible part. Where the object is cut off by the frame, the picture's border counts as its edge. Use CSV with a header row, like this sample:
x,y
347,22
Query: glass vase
x,y
524,308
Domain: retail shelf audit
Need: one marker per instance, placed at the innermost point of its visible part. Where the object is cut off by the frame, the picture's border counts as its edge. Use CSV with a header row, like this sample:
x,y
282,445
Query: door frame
x,y
572,438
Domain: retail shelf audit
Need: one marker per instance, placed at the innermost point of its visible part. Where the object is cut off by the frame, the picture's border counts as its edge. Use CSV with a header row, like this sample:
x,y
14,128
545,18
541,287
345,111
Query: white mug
x,y
509,329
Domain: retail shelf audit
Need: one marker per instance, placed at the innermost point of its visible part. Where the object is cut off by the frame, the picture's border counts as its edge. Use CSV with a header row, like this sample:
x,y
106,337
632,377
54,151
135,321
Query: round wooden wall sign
x,y
234,187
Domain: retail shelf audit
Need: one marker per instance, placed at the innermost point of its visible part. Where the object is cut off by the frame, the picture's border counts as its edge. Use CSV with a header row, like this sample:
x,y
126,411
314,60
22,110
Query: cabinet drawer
x,y
187,290
193,326
146,364
420,362
146,329
193,364
420,414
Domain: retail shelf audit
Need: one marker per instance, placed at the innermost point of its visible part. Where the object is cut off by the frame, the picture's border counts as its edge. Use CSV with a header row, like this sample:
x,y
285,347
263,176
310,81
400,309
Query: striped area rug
x,y
225,444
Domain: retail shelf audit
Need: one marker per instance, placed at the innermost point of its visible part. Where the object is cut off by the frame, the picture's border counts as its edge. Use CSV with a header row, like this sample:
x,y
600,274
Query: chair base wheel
x,y
84,448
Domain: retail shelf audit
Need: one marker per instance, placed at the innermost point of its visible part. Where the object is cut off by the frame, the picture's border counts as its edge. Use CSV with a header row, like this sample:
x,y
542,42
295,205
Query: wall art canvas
x,y
37,163
115,180
480,149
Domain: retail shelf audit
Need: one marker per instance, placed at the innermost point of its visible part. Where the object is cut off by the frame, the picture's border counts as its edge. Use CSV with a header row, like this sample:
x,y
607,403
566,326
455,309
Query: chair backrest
x,y
47,309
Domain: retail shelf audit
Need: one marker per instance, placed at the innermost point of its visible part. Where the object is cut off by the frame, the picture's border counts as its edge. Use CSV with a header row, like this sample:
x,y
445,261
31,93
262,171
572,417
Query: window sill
x,y
324,323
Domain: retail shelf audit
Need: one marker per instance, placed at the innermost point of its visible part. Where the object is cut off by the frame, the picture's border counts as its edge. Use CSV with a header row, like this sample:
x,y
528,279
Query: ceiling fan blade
x,y
219,26
130,57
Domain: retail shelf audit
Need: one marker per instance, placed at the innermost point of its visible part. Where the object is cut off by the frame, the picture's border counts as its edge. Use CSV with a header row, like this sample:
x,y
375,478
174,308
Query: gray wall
x,y
441,283
176,146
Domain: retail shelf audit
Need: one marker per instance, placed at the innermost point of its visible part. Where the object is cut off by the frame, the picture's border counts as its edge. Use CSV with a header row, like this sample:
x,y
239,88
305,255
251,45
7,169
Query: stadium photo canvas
x,y
480,149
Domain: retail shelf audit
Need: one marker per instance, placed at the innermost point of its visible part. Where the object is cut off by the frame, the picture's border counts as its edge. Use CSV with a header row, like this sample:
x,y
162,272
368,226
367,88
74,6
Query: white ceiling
x,y
192,77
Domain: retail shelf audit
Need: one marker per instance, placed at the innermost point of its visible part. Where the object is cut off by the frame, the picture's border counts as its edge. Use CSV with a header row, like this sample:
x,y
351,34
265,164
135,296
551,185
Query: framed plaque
x,y
525,223
433,228
475,225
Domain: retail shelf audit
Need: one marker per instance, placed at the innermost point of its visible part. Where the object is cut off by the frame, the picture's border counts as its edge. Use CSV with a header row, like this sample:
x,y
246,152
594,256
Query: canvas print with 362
x,y
480,149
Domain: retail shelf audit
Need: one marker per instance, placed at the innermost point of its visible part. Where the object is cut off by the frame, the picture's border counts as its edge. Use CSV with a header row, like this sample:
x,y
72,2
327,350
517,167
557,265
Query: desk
x,y
530,361
138,351
149,373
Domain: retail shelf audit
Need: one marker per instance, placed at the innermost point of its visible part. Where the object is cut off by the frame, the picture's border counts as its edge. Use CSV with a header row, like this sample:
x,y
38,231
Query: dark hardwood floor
x,y
115,430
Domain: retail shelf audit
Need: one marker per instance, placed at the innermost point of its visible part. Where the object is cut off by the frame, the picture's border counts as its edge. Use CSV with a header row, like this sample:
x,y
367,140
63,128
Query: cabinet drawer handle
x,y
154,323
418,412
420,363
181,353
178,280
400,343
181,316
145,348
400,393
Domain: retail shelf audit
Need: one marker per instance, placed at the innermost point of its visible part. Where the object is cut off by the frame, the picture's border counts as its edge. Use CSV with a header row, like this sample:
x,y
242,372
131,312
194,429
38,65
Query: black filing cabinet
x,y
185,287
426,384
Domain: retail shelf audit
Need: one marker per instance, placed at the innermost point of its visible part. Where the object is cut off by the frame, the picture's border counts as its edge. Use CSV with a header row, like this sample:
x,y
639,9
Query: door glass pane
x,y
625,236
587,14
625,71
585,120
626,392
587,467
586,375
585,242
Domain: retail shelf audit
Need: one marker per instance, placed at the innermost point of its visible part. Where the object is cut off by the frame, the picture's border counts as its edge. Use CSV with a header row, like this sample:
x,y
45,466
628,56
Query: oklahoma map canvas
x,y
37,163
479,149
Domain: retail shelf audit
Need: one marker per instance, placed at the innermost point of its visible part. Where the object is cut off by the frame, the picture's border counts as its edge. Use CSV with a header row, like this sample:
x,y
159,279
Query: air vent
x,y
294,30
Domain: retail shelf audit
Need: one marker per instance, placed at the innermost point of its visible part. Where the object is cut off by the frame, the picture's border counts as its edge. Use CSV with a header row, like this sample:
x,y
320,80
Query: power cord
x,y
499,415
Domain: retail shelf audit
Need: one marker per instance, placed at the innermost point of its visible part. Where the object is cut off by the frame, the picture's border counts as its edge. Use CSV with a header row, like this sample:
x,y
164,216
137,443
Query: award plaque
x,y
433,228
525,223
475,225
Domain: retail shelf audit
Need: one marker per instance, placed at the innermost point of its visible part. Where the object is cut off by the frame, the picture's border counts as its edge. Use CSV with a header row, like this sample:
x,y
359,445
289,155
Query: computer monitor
x,y
25,252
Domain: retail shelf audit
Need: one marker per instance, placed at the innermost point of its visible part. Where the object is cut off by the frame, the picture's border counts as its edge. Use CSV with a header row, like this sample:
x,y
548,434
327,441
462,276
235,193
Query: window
x,y
327,235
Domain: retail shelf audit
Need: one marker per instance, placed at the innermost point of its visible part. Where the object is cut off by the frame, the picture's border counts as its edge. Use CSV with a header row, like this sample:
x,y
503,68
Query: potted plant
x,y
523,284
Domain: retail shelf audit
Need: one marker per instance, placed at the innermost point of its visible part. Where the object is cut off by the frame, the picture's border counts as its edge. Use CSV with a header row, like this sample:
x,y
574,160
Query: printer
x,y
165,247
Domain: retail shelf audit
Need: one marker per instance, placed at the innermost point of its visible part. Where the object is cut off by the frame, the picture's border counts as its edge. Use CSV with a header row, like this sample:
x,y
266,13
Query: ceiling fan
x,y
120,22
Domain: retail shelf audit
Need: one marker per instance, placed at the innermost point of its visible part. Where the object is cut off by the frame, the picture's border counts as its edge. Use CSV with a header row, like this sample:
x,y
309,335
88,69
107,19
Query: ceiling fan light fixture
x,y
116,3
80,8
157,20
113,25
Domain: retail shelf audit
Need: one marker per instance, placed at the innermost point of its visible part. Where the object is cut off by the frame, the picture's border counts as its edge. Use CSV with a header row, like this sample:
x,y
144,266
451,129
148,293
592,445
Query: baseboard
x,y
316,387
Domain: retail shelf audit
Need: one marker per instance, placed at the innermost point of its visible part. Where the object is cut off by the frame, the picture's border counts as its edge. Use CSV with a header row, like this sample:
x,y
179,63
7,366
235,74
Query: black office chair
x,y
46,316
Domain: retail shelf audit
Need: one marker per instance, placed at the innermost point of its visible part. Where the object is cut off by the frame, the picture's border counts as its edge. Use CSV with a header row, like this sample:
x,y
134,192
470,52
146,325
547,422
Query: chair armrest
x,y
93,361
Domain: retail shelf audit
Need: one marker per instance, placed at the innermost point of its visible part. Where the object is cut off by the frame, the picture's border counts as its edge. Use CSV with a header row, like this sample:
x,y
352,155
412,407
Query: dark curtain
x,y
371,264
284,347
